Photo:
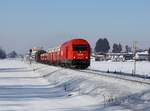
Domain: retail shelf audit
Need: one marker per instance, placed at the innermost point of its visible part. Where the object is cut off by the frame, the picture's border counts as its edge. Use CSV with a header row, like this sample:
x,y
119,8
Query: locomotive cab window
x,y
80,47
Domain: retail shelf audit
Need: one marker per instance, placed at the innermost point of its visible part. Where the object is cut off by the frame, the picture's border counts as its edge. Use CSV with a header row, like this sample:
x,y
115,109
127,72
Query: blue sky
x,y
47,23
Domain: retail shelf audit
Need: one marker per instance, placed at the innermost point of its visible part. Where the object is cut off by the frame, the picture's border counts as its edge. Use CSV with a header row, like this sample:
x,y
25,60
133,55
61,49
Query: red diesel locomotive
x,y
73,53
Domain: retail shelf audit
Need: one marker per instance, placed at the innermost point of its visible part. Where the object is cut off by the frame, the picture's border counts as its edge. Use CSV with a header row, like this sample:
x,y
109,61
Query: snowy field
x,y
38,87
142,67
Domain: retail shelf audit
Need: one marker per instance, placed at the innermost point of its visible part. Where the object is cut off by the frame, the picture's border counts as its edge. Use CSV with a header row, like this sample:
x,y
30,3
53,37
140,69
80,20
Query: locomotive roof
x,y
72,40
55,49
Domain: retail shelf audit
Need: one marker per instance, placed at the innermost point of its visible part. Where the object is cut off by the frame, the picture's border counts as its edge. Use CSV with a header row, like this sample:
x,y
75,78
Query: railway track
x,y
118,76
122,76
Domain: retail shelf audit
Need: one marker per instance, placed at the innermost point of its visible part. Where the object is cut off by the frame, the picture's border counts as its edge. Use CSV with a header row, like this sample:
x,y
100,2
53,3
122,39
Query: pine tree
x,y
102,46
117,48
128,48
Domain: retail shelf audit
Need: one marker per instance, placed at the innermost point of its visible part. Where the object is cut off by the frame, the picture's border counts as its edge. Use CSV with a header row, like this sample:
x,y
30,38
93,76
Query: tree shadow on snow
x,y
136,102
83,108
22,92
22,69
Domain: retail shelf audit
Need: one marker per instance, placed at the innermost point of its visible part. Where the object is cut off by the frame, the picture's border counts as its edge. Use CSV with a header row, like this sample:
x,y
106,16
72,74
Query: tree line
x,y
102,46
3,54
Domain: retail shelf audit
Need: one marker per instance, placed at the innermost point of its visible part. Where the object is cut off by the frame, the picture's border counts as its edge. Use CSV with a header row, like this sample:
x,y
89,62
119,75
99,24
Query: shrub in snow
x,y
2,54
12,54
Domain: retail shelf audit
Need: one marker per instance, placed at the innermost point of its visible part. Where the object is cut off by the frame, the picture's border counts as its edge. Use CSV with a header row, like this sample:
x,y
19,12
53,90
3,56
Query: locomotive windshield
x,y
80,47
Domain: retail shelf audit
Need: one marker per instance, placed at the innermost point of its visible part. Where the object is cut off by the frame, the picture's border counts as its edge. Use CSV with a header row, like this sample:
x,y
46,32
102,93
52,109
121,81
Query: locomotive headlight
x,y
74,57
86,57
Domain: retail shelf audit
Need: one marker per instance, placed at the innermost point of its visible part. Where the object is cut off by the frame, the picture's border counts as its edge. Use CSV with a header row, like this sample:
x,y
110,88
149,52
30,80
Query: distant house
x,y
99,57
121,56
141,56
109,56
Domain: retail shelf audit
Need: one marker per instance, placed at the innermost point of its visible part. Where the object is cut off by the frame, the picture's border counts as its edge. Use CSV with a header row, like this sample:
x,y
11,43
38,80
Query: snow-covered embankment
x,y
102,92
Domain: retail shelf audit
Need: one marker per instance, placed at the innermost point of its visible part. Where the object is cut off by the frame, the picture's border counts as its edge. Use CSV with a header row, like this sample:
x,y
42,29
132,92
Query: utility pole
x,y
30,52
135,48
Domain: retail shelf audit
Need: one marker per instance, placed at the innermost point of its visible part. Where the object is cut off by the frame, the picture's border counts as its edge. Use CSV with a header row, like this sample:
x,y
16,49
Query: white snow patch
x,y
39,87
142,67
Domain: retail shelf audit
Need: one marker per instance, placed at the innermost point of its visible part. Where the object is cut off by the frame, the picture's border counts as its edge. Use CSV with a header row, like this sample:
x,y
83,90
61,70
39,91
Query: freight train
x,y
74,53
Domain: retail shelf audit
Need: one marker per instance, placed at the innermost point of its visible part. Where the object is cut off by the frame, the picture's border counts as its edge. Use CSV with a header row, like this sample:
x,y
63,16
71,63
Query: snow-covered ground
x,y
38,87
142,67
